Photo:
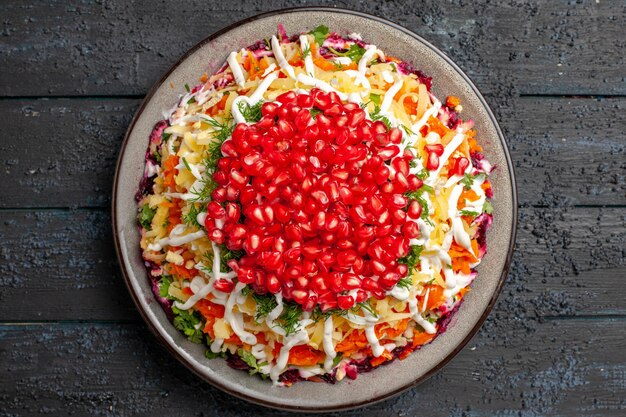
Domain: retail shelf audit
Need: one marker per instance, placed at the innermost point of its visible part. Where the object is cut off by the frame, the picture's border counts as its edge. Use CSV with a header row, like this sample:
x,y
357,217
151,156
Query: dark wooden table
x,y
71,77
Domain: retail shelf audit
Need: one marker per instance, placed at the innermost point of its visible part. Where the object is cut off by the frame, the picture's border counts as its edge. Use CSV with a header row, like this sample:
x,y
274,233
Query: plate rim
x,y
348,406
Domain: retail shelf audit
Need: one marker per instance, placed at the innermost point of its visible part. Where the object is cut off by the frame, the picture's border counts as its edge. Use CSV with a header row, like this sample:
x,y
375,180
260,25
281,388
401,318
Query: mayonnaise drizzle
x,y
176,240
308,61
329,349
393,90
253,99
280,58
236,69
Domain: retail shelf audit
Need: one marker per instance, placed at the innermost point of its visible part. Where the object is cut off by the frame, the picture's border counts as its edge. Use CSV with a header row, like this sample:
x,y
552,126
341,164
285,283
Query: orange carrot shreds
x,y
452,102
462,292
435,125
422,338
304,355
169,170
210,309
234,340
486,185
435,297
208,327
187,291
264,63
204,77
466,195
384,331
323,64
354,342
173,218
471,140
410,106
181,271
384,357
462,258
254,67
389,58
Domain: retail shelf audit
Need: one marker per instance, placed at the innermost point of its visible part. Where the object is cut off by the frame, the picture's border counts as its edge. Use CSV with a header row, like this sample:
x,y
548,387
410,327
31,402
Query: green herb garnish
x,y
405,282
376,115
411,260
252,114
468,213
355,52
487,207
315,111
189,323
320,34
191,218
145,216
187,87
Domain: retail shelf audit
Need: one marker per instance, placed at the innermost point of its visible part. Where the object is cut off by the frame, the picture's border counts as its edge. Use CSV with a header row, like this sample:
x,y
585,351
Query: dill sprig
x,y
405,282
191,218
318,314
411,260
252,113
306,51
355,52
376,115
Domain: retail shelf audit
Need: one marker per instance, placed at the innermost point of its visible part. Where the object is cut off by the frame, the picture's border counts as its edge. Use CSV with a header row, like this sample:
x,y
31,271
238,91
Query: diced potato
x,y
222,329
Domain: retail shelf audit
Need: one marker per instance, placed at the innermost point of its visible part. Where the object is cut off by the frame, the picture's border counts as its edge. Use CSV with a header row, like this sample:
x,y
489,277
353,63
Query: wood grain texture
x,y
120,48
569,262
62,152
569,368
72,342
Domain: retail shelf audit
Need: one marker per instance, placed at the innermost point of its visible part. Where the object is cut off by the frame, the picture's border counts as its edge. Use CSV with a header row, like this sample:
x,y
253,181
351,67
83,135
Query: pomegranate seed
x,y
437,149
224,285
345,302
460,165
287,98
410,230
432,162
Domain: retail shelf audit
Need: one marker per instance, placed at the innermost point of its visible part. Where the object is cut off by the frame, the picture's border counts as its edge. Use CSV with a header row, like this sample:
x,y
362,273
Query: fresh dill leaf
x,y
407,130
306,52
186,164
191,218
405,282
355,52
337,359
375,98
468,213
191,100
423,174
265,303
145,216
290,318
315,111
317,314
252,114
338,65
320,34
189,323
487,207
225,255
413,163
427,188
417,195
187,87
412,259
165,137
376,115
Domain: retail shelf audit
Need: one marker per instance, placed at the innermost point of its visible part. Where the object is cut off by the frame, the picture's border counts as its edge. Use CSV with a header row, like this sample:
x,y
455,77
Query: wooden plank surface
x,y
71,77
67,149
121,48
568,263
118,370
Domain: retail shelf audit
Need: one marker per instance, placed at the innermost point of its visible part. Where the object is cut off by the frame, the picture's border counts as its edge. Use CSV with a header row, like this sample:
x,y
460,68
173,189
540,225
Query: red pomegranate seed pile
x,y
316,203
